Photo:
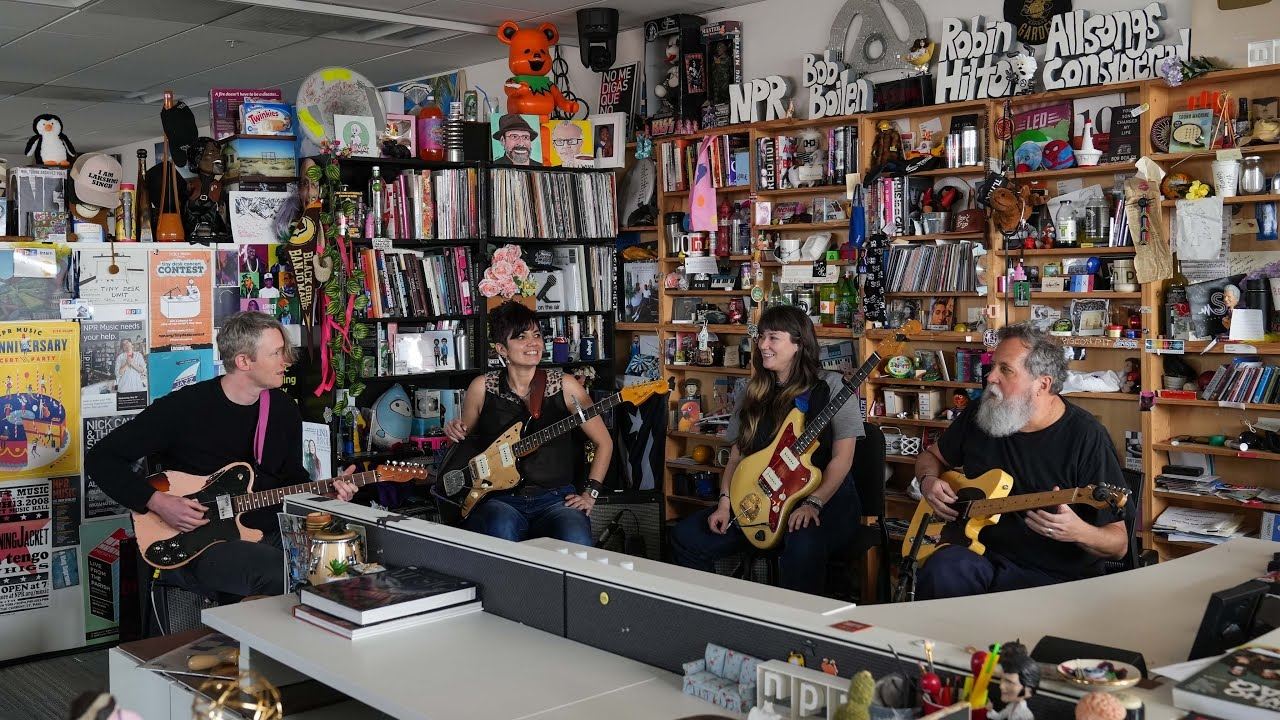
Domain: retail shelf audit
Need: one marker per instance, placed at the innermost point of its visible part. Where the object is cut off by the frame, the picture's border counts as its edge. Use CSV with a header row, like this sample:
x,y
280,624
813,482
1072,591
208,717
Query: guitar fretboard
x,y
1030,501
267,498
811,433
530,443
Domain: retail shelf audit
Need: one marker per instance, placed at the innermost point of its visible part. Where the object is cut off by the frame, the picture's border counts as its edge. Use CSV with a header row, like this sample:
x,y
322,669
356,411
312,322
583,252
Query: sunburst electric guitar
x,y
981,502
470,471
228,493
767,484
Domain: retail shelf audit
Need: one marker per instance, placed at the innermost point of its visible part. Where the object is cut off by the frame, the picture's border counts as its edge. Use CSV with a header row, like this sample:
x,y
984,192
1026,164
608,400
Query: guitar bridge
x,y
224,507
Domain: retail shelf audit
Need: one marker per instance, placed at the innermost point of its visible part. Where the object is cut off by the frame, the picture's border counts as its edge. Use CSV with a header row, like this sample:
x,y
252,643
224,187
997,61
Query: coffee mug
x,y
787,250
1226,177
1124,278
694,244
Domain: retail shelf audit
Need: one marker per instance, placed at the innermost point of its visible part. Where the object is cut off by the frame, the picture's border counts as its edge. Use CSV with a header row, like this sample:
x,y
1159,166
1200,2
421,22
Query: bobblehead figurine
x,y
49,146
1020,681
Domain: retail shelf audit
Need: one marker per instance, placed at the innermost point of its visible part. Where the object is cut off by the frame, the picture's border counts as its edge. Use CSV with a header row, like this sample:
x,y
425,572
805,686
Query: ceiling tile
x,y
72,53
8,34
486,46
176,57
12,88
406,65
286,22
62,92
383,5
17,112
137,31
28,16
461,11
105,116
196,12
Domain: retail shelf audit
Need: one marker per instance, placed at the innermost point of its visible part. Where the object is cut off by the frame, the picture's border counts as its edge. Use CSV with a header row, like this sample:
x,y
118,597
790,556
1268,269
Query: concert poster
x,y
25,550
66,510
39,400
96,503
181,298
101,570
118,295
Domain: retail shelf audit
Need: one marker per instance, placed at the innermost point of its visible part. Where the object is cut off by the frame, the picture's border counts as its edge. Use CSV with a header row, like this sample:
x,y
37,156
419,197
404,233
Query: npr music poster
x,y
39,400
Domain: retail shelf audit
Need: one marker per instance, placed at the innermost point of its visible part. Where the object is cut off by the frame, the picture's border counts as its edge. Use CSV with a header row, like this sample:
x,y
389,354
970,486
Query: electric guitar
x,y
981,502
769,483
228,493
471,470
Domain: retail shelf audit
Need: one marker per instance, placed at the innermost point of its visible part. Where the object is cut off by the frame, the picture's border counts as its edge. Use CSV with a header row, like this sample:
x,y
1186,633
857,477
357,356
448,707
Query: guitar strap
x,y
260,433
537,389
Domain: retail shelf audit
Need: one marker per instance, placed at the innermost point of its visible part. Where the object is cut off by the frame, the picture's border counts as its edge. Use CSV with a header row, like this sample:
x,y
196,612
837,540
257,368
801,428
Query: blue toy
x,y
392,418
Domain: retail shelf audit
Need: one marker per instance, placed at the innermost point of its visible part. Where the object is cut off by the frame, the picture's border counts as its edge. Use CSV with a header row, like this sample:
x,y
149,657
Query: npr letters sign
x,y
1086,49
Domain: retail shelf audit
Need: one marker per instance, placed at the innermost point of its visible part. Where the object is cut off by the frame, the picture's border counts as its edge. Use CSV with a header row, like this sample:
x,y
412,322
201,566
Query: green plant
x,y
343,290
337,568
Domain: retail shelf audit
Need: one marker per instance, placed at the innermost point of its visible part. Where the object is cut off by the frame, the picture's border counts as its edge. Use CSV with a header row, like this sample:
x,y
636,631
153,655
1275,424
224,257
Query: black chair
x,y
1136,557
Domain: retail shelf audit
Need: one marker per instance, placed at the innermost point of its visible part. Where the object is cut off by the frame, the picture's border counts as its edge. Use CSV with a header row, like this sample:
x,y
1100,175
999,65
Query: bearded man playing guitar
x,y
1022,426
785,374
202,428
545,503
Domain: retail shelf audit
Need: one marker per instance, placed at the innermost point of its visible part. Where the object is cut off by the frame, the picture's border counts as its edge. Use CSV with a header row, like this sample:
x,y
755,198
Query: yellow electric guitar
x,y
981,502
768,483
471,471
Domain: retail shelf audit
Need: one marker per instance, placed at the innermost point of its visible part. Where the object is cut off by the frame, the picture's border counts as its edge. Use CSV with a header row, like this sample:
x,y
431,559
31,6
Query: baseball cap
x,y
96,178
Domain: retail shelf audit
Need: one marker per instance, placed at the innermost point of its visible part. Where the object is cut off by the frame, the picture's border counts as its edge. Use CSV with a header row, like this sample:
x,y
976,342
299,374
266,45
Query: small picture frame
x,y
610,130
1054,283
402,130
357,132
1052,269
941,313
1089,316
683,309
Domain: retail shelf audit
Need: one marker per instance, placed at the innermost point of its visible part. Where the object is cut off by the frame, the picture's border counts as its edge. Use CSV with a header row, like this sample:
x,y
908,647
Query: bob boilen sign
x,y
976,63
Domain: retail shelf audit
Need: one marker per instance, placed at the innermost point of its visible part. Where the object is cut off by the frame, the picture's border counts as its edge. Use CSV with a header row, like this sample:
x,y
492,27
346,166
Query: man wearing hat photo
x,y
516,137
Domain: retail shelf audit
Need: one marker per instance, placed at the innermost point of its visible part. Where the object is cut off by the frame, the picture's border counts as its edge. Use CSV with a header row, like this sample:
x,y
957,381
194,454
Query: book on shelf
x,y
411,283
354,631
393,593
573,278
1244,684
947,267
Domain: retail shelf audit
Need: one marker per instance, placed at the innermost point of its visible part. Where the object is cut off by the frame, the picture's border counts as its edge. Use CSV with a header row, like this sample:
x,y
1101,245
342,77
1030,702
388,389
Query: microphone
x,y
613,527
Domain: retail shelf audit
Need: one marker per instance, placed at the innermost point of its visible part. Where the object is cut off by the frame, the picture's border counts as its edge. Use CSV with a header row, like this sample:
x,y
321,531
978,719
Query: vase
x,y
528,301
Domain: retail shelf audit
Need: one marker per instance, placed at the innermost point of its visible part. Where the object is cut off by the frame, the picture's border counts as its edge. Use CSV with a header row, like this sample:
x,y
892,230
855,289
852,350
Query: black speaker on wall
x,y
629,522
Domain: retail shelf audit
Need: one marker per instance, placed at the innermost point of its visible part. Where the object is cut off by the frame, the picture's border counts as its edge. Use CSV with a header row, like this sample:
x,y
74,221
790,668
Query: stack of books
x,y
1244,684
395,599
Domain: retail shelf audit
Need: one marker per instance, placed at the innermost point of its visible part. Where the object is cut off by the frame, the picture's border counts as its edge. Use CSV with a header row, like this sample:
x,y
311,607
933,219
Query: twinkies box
x,y
260,157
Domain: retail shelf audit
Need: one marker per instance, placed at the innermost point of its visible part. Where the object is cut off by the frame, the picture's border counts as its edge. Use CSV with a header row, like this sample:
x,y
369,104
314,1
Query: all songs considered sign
x,y
25,545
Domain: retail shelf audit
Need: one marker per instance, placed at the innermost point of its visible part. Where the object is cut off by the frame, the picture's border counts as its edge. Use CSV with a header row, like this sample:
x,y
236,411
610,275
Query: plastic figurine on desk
x,y
1020,681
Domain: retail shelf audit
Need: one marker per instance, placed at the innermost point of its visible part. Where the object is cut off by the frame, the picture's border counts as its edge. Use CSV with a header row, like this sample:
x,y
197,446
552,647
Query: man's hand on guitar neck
x,y
181,514
344,489
1060,523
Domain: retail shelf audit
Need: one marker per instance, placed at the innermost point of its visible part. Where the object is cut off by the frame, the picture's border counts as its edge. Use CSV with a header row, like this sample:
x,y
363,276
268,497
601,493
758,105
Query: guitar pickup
x,y
505,454
480,466
771,477
224,507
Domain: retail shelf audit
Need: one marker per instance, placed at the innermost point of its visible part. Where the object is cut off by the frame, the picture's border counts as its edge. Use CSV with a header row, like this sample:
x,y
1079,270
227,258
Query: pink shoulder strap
x,y
260,434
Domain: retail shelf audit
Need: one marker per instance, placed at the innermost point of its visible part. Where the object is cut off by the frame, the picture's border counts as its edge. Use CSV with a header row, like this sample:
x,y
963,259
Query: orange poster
x,y
181,297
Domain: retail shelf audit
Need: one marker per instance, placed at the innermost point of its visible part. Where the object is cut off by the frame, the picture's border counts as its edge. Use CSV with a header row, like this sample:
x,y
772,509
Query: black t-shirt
x,y
198,430
1075,451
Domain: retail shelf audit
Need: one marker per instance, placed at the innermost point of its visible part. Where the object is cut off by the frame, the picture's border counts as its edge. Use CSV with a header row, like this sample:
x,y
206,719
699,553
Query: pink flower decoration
x,y
489,288
519,269
509,253
508,287
502,270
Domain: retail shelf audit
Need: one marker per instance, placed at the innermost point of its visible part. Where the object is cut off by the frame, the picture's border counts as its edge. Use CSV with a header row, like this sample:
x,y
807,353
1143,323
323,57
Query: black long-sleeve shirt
x,y
198,430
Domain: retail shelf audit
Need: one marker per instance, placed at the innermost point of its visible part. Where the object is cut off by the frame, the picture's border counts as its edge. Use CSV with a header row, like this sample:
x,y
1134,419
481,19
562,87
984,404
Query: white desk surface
x,y
477,666
1155,610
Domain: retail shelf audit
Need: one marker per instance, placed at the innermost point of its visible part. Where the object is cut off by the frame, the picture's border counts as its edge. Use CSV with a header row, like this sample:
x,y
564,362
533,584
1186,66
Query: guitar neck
x,y
811,433
1030,501
530,443
267,498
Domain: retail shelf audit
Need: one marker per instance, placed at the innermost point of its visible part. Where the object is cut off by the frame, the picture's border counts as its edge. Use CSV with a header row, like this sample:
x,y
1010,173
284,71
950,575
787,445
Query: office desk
x,y
1155,610
477,666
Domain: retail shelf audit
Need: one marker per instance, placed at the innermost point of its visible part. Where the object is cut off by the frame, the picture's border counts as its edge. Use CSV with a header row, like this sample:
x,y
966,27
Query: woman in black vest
x,y
785,374
545,503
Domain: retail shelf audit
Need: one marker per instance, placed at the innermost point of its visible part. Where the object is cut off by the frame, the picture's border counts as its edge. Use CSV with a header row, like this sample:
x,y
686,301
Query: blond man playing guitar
x,y
785,374
202,428
1023,426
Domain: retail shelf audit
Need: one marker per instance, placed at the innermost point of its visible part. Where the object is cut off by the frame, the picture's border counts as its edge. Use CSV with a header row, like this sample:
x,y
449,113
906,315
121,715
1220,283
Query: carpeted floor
x,y
43,690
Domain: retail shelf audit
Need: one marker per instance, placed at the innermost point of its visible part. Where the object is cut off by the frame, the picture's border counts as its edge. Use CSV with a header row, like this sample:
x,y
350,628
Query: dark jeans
x,y
236,567
520,517
802,560
956,571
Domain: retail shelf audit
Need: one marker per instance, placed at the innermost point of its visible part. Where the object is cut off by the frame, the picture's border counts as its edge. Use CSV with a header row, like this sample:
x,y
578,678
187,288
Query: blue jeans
x,y
802,561
956,571
520,517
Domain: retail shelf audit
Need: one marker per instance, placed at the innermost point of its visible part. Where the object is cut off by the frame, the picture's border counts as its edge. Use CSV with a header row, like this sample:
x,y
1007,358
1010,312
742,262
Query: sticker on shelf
x,y
1165,346
701,266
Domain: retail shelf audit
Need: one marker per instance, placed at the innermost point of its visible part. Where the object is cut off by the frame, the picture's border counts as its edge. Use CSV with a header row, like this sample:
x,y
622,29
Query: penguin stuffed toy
x,y
49,146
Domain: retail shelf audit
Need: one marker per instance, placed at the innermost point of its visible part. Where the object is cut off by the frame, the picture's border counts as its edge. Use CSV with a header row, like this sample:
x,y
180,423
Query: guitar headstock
x,y
1108,495
636,394
401,472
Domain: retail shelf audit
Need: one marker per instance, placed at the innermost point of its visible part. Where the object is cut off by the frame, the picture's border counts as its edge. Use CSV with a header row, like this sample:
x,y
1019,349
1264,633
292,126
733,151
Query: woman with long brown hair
x,y
785,374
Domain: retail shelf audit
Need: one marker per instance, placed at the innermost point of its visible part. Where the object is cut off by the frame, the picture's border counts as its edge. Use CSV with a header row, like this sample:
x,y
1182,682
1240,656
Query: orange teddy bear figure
x,y
530,91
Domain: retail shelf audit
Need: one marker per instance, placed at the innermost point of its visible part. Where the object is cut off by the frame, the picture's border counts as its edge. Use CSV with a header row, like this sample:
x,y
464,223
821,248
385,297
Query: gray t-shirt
x,y
846,424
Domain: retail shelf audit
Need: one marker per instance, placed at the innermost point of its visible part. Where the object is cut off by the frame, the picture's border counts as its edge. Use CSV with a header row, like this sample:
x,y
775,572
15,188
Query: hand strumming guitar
x,y
940,496
180,513
719,520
